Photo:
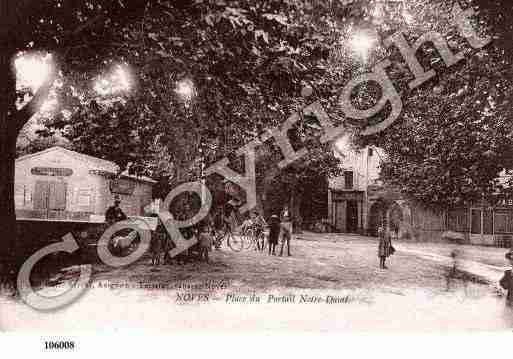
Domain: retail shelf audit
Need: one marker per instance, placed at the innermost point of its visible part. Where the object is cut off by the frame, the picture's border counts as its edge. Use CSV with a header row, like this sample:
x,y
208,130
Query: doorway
x,y
352,216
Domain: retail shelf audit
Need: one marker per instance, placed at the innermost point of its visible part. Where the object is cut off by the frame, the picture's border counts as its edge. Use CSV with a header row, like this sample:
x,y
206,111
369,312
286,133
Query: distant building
x,y
359,203
348,198
62,185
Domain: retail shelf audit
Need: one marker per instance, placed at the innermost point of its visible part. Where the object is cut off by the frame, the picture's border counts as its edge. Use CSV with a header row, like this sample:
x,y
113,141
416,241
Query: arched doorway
x,y
393,215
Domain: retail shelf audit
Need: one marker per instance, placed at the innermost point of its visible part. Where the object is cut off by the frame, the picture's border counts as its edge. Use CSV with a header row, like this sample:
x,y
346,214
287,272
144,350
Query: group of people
x,y
280,227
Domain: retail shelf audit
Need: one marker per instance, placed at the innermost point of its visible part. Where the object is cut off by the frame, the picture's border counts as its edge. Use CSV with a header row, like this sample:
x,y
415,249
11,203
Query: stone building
x,y
348,200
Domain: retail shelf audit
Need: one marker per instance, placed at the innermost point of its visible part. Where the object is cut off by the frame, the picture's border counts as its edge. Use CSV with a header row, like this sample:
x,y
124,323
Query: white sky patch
x,y
119,80
186,90
362,43
32,70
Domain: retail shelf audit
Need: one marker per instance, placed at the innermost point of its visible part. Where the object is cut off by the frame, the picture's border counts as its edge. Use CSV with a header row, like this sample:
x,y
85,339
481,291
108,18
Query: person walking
x,y
385,248
286,230
506,281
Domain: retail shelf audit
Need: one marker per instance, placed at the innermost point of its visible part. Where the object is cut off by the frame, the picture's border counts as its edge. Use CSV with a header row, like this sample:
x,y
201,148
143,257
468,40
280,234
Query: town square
x,y
227,165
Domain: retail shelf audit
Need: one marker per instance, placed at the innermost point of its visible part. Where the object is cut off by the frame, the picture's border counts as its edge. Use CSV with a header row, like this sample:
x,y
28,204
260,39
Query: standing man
x,y
286,230
114,213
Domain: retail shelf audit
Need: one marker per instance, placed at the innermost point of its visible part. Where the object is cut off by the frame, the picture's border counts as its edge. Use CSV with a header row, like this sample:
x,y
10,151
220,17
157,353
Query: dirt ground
x,y
332,282
316,263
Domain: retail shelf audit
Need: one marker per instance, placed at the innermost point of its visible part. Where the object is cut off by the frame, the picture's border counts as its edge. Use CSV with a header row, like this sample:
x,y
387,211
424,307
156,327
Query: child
x,y
259,224
274,233
384,248
506,281
286,231
205,242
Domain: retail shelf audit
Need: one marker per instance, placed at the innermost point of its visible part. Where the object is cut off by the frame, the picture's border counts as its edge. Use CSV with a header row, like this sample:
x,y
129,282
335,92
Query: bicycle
x,y
234,242
253,238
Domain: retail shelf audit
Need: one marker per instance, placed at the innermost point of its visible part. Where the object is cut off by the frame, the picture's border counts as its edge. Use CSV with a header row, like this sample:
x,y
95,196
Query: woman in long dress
x,y
384,248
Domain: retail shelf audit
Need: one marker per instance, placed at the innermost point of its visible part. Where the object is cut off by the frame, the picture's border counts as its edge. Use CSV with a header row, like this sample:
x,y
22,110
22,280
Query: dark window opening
x,y
348,178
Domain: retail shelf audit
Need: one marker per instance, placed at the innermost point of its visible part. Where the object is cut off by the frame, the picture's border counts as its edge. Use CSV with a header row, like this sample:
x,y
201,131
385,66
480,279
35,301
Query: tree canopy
x,y
453,139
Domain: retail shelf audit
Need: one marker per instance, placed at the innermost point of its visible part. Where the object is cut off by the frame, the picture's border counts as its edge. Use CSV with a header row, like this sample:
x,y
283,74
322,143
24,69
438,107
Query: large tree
x,y
454,137
208,78
59,27
248,62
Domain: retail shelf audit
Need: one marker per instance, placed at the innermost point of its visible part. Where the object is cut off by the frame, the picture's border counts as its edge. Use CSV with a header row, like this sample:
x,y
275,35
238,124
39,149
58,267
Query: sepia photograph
x,y
285,166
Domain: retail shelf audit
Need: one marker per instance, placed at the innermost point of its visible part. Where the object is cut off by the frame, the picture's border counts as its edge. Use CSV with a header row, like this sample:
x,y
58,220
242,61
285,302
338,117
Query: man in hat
x,y
506,281
114,213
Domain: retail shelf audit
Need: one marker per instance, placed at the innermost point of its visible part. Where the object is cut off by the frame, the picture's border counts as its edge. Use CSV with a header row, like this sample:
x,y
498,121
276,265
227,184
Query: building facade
x,y
348,197
65,186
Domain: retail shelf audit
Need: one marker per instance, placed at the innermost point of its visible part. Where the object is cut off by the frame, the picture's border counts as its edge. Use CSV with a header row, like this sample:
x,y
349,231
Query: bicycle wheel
x,y
261,242
235,242
246,240
219,238
250,240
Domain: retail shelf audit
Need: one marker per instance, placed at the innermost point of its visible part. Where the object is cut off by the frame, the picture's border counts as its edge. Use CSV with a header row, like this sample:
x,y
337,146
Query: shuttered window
x,y
348,178
41,195
84,197
50,196
57,199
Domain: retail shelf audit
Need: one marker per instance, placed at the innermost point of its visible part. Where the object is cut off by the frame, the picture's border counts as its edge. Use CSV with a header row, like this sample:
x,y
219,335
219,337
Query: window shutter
x,y
57,196
348,177
41,195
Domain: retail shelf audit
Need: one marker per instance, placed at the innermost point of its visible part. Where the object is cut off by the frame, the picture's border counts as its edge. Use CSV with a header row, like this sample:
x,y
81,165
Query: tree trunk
x,y
7,211
295,208
264,187
9,129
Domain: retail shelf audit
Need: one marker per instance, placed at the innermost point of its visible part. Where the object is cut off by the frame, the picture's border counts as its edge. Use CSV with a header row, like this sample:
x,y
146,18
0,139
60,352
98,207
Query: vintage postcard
x,y
244,165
